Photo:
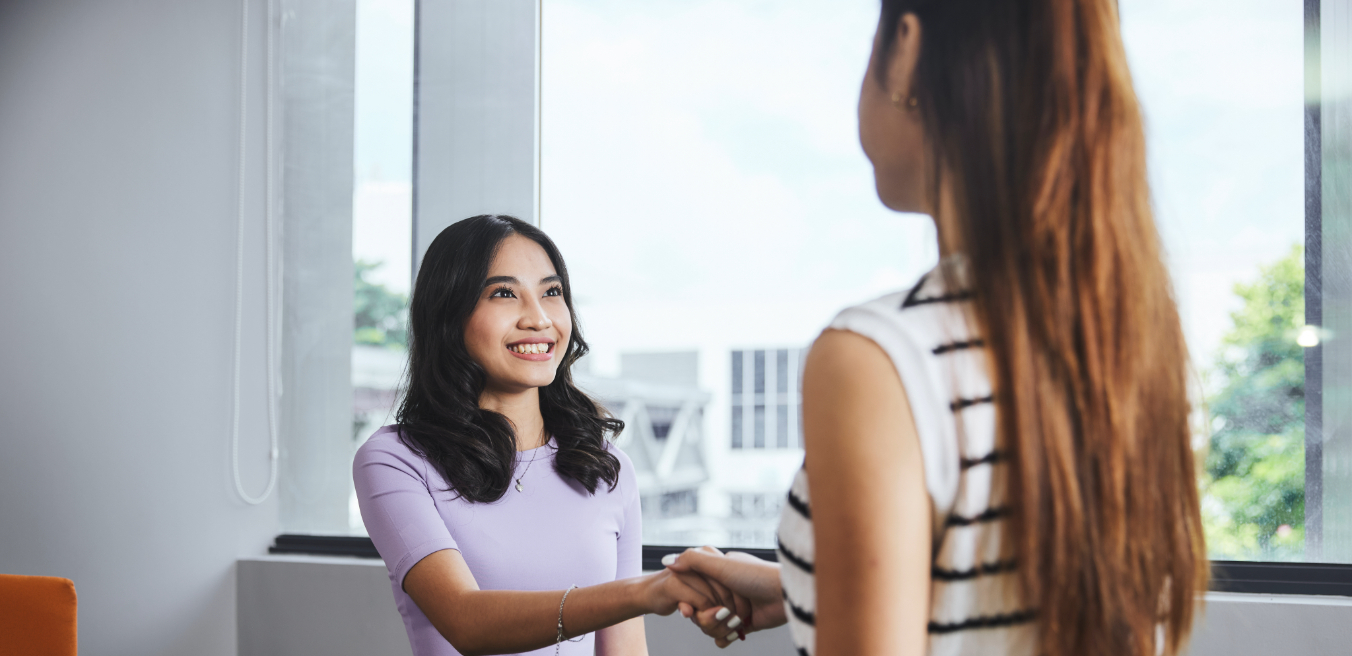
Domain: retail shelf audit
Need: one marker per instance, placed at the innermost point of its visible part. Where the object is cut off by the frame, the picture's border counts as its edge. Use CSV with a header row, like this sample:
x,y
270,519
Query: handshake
x,y
726,595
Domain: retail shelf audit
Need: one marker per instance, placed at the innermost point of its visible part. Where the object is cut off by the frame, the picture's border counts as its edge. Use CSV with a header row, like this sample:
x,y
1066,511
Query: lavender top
x,y
547,537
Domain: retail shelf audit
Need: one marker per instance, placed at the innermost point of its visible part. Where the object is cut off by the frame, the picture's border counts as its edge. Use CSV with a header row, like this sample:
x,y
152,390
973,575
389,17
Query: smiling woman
x,y
488,287
484,548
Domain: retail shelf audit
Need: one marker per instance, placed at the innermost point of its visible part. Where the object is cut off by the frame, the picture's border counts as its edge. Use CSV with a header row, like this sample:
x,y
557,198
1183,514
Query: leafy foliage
x,y
379,316
1254,489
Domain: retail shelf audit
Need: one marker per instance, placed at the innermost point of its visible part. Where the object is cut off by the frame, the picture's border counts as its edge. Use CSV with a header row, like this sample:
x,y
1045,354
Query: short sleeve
x,y
629,543
396,504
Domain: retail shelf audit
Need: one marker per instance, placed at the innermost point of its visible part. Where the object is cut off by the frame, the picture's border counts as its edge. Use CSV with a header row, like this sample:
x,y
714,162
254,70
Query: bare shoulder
x,y
847,374
855,410
841,357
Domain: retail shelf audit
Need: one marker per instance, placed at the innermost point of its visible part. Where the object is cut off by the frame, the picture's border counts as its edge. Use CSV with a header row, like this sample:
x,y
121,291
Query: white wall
x,y
118,124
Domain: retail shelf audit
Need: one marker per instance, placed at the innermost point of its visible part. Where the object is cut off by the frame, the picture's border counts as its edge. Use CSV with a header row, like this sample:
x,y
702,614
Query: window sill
x,y
1227,576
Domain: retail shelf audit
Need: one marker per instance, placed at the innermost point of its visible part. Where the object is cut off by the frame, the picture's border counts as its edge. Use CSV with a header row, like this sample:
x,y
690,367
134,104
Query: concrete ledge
x,y
319,605
1234,624
315,605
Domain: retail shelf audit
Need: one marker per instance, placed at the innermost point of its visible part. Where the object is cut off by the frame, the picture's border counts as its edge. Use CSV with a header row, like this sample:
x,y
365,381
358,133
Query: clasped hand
x,y
727,595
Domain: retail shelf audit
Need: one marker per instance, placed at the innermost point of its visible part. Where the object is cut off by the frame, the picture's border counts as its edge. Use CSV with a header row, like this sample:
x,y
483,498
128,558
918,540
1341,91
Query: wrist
x,y
636,595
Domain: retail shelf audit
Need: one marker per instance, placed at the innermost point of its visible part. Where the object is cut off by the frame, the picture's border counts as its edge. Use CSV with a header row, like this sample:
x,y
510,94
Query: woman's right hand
x,y
754,584
662,593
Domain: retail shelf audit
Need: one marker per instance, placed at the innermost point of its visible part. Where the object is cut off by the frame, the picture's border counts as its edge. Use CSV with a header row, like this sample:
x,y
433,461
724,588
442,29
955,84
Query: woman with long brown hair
x,y
998,458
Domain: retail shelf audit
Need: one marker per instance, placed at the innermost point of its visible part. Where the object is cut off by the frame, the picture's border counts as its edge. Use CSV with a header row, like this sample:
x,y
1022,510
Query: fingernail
x,y
722,614
731,636
734,622
741,633
669,560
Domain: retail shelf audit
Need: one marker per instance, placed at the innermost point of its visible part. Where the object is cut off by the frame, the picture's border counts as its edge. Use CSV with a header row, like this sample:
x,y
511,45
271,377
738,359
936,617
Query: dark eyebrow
x,y
509,280
501,280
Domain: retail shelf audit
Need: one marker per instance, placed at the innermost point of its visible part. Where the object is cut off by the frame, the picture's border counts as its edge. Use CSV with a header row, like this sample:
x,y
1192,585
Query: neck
x,y
523,410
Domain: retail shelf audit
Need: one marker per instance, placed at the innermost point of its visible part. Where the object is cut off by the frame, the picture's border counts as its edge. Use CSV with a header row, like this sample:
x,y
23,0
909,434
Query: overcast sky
x,y
701,168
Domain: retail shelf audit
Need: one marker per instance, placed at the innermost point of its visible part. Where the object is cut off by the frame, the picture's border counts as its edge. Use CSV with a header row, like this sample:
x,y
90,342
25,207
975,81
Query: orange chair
x,y
37,616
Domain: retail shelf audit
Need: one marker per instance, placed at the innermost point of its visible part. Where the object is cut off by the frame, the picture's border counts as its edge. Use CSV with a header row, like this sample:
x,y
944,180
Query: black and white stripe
x,y
983,622
962,403
994,457
917,296
973,605
959,345
985,569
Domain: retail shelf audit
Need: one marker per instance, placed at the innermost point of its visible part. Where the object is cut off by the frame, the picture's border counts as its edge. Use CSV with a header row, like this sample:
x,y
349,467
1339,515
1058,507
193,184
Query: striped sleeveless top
x,y
974,609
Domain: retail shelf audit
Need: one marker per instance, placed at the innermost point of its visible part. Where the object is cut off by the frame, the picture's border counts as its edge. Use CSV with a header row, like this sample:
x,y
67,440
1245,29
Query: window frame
x,y
1314,292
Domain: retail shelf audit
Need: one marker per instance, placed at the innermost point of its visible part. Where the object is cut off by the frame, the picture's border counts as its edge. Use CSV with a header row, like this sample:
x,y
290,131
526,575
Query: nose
x,y
533,317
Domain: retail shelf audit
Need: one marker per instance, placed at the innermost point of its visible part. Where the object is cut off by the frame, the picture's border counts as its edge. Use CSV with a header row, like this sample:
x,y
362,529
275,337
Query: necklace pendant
x,y
519,486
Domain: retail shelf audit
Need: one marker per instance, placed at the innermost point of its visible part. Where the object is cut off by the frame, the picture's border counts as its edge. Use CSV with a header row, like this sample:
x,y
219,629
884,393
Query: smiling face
x,y
521,325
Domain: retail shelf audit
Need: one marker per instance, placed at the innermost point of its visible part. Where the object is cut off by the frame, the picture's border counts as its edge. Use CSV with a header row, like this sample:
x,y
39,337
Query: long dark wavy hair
x,y
440,419
1031,118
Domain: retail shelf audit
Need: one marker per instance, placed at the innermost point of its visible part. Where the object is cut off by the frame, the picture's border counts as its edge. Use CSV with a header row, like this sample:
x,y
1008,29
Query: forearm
x,y
480,622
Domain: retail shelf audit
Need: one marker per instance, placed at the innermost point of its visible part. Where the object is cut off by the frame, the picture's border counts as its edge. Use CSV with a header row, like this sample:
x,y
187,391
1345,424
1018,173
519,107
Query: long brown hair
x,y
1035,130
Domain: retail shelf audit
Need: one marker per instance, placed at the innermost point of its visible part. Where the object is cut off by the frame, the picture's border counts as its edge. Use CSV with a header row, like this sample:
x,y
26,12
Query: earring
x,y
911,102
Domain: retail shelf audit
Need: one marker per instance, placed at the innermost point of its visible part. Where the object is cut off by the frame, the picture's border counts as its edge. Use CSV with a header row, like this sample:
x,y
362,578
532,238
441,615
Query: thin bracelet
x,y
558,642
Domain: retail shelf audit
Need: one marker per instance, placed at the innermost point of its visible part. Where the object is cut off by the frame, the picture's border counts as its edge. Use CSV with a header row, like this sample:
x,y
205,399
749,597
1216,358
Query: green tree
x,y
1254,488
379,316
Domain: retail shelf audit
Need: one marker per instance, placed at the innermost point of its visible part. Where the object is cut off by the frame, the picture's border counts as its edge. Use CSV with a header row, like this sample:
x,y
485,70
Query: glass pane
x,y
1225,122
710,195
382,225
701,173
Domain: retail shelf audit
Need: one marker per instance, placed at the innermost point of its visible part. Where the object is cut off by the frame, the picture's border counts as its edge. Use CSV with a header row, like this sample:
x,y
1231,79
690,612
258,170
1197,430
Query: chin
x,y
538,381
888,197
896,199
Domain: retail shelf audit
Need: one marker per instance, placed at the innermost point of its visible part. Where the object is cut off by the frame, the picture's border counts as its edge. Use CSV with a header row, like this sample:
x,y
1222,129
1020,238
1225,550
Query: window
x,y
699,167
346,82
701,172
382,219
765,397
1229,183
706,185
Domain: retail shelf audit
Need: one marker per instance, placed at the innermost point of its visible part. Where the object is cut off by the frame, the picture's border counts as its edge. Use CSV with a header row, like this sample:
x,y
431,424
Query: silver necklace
x,y
519,486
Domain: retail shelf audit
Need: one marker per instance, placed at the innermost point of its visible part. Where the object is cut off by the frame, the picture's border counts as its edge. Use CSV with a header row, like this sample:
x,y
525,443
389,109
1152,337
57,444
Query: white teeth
x,y
530,348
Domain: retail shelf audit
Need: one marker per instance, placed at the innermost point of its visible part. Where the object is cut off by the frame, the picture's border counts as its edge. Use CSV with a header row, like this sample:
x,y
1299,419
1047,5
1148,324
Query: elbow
x,y
473,650
464,642
458,640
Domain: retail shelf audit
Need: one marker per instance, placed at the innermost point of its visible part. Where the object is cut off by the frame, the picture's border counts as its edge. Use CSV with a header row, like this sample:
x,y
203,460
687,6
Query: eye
x,y
556,290
503,292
